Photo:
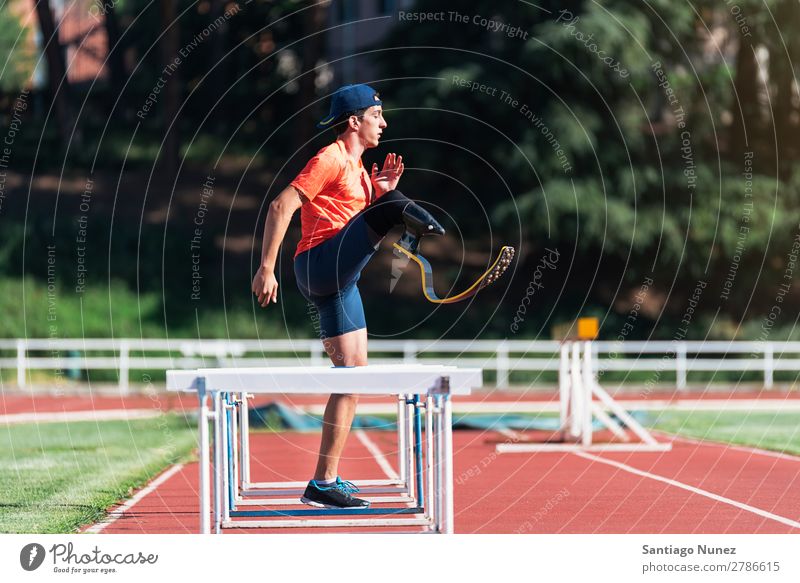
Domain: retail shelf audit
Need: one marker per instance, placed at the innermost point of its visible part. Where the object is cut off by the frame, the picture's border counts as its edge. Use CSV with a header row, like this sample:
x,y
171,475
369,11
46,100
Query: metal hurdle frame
x,y
249,493
578,387
425,483
409,487
410,456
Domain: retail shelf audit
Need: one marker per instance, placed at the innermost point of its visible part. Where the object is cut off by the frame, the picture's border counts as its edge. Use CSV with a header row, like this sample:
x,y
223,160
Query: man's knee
x,y
386,212
393,195
343,358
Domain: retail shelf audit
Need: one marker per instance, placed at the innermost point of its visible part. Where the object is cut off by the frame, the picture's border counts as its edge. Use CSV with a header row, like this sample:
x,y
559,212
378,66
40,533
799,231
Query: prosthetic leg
x,y
420,223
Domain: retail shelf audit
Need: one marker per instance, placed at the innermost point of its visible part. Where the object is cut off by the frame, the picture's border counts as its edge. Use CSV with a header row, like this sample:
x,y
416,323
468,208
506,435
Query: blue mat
x,y
284,417
290,419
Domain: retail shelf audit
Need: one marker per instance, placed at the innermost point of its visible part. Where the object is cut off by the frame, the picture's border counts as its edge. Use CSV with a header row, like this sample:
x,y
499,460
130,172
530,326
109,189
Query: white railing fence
x,y
502,356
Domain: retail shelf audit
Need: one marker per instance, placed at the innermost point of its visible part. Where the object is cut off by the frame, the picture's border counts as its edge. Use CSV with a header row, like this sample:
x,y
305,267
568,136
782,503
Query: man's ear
x,y
353,121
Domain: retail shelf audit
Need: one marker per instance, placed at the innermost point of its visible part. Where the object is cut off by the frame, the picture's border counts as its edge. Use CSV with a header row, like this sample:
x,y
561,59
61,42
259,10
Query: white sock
x,y
326,482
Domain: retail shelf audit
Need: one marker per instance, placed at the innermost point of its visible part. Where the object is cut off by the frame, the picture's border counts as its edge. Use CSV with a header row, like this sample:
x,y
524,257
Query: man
x,y
345,213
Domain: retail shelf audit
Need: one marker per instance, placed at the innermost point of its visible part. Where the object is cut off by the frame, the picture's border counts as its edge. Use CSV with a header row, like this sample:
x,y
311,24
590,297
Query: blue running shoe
x,y
338,495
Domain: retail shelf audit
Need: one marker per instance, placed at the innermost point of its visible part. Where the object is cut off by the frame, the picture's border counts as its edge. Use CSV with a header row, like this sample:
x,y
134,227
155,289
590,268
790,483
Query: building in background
x,y
81,34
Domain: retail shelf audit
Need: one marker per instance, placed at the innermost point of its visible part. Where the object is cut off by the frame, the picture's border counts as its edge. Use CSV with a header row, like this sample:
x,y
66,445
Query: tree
x,y
116,63
606,129
18,64
56,71
313,22
170,44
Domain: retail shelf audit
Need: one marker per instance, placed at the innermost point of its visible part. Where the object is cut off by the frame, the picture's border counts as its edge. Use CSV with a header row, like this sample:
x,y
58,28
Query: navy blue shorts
x,y
327,276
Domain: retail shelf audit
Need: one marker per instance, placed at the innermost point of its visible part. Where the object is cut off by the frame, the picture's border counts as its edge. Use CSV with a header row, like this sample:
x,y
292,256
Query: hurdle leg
x,y
205,462
429,467
234,421
401,438
227,462
409,431
576,390
438,441
418,451
563,389
244,437
447,421
588,376
233,450
234,431
218,469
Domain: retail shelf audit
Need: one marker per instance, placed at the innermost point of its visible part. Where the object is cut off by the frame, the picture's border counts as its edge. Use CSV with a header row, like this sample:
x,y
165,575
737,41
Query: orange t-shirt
x,y
336,187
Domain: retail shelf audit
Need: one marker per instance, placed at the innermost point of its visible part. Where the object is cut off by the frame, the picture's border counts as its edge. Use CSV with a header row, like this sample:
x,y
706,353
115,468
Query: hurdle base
x,y
328,512
323,523
359,483
239,501
259,492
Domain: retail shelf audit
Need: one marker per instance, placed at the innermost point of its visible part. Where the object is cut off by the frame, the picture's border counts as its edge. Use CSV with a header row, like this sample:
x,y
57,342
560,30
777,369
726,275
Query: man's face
x,y
371,126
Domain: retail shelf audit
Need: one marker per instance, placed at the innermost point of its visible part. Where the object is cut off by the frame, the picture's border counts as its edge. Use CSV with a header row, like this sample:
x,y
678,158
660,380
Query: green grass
x,y
775,431
56,477
115,310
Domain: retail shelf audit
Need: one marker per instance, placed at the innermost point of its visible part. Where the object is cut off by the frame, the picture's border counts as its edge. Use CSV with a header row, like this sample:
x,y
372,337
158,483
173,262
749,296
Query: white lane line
x,y
681,485
97,415
384,464
117,513
377,454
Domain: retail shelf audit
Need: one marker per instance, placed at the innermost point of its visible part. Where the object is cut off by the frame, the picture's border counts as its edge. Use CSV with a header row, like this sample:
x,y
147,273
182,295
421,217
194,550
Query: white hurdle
x,y
230,499
581,400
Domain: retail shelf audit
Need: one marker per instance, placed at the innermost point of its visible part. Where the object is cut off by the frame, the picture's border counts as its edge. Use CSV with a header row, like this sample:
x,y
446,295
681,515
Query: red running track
x,y
695,488
12,402
714,488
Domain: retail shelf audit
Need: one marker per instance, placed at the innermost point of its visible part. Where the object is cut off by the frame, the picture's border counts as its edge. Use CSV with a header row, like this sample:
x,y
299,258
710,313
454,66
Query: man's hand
x,y
265,286
387,179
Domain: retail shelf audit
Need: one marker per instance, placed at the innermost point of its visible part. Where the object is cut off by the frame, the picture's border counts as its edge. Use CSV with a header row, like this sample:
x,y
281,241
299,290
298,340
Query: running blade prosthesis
x,y
420,223
491,275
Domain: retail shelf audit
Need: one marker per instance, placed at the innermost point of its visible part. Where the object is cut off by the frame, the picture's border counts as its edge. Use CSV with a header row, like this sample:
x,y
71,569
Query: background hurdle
x,y
578,389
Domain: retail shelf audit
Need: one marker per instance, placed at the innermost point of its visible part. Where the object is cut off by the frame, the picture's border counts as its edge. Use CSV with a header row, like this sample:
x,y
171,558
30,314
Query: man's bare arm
x,y
281,211
279,215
